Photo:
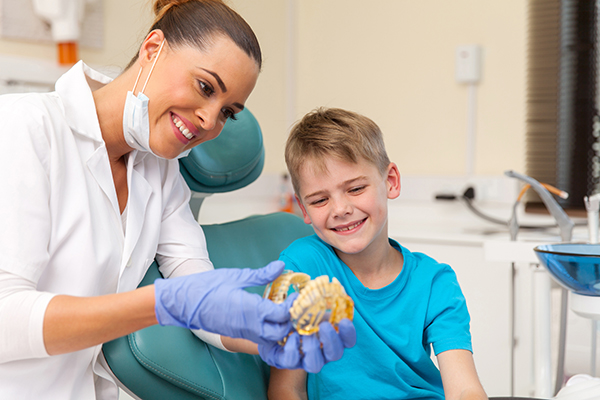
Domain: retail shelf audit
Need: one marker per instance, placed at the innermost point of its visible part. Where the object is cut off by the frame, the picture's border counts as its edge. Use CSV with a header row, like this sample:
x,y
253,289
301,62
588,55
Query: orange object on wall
x,y
67,53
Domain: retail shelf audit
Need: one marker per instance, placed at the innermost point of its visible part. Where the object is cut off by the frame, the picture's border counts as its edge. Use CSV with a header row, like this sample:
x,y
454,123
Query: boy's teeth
x,y
349,227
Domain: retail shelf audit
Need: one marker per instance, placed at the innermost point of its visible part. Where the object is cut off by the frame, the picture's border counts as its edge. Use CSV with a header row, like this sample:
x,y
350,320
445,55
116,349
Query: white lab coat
x,y
61,229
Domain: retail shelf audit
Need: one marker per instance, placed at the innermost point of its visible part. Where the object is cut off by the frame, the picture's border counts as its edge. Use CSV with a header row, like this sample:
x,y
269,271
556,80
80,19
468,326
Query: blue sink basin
x,y
576,266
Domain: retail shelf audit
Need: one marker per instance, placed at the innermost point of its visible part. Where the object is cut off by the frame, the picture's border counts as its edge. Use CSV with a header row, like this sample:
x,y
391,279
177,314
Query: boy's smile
x,y
349,228
347,204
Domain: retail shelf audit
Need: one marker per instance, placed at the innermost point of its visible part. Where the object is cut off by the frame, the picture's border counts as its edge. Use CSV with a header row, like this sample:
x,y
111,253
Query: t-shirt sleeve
x,y
308,255
290,263
447,315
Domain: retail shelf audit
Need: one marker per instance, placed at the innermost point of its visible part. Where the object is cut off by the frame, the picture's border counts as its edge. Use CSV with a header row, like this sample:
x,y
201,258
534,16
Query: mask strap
x,y
136,80
153,64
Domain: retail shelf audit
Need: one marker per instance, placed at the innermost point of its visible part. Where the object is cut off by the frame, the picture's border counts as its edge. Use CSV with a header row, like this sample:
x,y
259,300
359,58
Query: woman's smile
x,y
184,130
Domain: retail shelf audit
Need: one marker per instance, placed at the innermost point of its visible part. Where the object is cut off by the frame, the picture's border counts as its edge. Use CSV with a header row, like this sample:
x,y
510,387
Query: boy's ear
x,y
393,181
304,214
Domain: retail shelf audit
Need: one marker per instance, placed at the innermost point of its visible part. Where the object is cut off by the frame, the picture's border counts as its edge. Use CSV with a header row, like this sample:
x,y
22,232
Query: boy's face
x,y
347,204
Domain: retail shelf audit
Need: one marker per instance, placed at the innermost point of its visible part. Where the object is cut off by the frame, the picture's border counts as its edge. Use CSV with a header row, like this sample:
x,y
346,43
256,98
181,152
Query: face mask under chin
x,y
136,121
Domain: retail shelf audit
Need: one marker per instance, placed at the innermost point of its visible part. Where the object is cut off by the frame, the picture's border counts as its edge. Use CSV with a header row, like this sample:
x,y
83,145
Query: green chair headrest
x,y
231,161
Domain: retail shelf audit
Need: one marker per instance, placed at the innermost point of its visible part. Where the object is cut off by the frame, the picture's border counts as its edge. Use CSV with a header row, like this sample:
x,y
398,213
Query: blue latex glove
x,y
216,302
317,350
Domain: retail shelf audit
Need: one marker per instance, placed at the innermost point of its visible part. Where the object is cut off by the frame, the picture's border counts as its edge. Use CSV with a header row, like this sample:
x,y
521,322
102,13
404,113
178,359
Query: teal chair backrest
x,y
163,362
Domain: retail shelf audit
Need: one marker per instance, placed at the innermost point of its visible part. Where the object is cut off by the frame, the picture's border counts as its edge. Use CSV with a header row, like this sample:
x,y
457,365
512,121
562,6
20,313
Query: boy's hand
x,y
317,350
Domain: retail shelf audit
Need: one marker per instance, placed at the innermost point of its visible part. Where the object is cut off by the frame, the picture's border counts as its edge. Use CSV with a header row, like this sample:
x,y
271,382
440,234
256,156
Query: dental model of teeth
x,y
318,300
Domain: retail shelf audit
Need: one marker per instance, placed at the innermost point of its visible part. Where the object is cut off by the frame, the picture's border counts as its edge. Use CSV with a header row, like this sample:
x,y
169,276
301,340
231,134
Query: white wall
x,y
392,60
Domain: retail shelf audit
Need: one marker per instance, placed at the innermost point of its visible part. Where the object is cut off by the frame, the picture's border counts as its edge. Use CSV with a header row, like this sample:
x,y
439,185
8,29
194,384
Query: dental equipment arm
x,y
566,231
565,223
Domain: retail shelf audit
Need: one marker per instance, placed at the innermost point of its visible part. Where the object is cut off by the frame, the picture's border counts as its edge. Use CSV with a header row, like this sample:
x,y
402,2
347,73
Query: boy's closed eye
x,y
357,189
318,202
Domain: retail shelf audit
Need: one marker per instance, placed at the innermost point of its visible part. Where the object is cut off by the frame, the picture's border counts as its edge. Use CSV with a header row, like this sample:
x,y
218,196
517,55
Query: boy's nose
x,y
341,208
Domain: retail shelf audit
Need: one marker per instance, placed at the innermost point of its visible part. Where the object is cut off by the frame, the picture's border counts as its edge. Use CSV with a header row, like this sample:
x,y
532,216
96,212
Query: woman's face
x,y
192,94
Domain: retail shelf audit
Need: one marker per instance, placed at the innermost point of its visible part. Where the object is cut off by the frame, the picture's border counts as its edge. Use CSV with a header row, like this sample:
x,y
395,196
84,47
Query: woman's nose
x,y
209,117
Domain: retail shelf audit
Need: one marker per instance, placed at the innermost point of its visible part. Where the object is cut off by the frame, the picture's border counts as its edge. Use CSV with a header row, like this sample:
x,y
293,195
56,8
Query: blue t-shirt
x,y
395,326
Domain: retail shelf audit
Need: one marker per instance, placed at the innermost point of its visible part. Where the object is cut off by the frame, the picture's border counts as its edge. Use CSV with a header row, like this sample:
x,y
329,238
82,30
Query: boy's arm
x,y
459,376
287,384
239,345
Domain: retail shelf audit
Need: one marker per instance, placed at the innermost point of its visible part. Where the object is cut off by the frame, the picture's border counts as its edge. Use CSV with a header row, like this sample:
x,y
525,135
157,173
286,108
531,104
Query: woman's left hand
x,y
317,349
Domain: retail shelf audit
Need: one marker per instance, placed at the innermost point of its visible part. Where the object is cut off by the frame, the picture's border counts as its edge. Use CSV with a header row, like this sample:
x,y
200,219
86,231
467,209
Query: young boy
x,y
404,302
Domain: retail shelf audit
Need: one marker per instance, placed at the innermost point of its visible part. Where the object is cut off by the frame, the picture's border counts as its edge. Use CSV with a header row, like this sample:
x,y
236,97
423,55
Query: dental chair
x,y
165,362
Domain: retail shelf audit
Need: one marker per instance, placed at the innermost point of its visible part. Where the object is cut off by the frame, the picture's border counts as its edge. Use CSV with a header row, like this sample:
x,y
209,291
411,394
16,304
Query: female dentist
x,y
91,194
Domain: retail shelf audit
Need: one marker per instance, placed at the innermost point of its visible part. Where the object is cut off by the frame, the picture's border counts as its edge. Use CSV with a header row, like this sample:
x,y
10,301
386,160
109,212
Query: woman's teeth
x,y
182,128
349,227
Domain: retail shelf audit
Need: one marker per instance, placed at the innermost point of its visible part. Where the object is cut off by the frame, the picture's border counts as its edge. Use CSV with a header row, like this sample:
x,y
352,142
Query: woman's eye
x,y
206,89
228,114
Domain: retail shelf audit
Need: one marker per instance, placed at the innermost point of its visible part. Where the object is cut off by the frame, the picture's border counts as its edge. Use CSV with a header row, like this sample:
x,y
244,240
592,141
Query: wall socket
x,y
468,63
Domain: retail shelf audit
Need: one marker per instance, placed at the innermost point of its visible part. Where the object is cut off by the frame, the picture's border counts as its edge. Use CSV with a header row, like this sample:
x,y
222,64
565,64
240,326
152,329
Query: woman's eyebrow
x,y
218,78
222,86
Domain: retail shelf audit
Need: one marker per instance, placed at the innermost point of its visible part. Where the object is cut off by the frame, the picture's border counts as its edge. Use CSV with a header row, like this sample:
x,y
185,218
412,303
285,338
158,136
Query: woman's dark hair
x,y
197,22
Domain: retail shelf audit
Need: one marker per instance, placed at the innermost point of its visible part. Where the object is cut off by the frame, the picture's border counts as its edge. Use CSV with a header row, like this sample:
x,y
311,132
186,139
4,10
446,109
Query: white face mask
x,y
136,122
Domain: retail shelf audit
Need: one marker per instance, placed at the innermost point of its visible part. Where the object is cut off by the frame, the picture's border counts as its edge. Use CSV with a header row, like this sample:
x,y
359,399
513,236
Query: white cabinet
x,y
486,286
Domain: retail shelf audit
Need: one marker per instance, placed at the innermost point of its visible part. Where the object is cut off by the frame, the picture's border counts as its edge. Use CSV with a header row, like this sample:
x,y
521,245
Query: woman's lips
x,y
184,130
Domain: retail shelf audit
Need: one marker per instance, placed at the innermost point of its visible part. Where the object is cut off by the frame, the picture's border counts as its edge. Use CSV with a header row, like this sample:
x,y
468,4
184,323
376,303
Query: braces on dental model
x,y
318,300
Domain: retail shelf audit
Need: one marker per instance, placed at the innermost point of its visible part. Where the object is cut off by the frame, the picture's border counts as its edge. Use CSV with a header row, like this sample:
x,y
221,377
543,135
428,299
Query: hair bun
x,y
195,22
162,6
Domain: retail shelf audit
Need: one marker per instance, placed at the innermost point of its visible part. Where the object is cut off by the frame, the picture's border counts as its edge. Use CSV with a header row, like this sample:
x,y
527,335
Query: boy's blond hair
x,y
343,134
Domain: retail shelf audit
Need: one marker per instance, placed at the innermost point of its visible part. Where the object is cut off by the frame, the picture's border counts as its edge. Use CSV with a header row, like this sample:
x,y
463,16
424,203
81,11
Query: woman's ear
x,y
393,181
150,47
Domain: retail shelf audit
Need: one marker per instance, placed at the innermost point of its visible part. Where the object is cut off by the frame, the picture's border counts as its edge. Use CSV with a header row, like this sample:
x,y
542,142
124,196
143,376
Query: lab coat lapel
x,y
75,90
139,195
98,165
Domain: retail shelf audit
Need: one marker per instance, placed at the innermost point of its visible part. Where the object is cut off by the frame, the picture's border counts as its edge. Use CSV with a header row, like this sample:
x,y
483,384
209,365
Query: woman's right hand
x,y
215,301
